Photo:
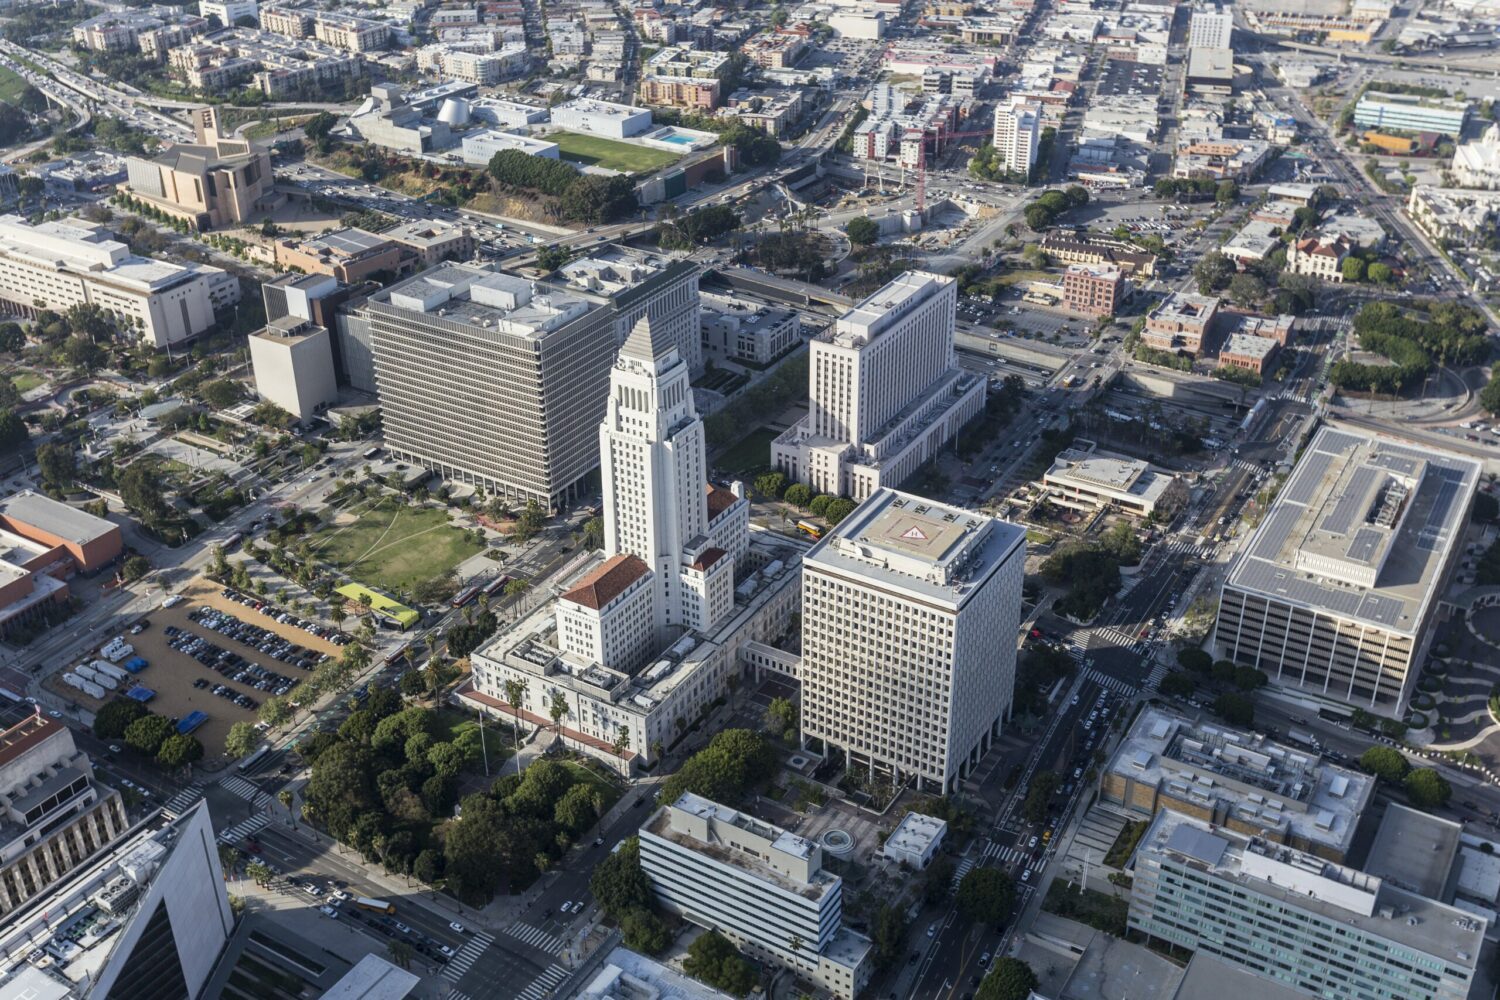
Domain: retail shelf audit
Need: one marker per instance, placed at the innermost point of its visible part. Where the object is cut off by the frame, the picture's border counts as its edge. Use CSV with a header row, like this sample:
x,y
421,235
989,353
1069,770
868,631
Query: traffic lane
x,y
572,883
318,863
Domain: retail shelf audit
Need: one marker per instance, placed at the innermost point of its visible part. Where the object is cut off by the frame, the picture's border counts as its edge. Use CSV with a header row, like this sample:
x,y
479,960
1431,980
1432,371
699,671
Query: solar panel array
x,y
1351,503
1364,545
1307,478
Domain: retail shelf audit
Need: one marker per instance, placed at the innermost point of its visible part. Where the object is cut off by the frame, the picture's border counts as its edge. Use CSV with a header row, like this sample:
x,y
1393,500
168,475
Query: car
x,y
114,748
984,960
566,907
1031,845
1026,875
329,911
932,930
402,927
447,951
598,841
313,890
54,713
455,927
339,895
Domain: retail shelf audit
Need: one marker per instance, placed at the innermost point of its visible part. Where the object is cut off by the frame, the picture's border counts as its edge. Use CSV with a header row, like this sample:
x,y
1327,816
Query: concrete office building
x,y
148,918
886,393
909,612
350,255
57,265
1181,322
480,147
763,888
1302,922
293,363
492,380
641,284
1336,594
1411,113
1211,28
1084,478
56,814
433,240
739,330
1242,781
319,299
915,840
613,121
1018,130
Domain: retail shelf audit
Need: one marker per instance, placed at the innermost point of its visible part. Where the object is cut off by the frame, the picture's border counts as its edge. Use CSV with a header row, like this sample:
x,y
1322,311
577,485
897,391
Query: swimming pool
x,y
676,140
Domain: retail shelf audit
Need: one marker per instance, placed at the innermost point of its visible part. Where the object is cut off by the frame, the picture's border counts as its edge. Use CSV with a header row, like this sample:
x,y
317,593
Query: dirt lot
x,y
171,673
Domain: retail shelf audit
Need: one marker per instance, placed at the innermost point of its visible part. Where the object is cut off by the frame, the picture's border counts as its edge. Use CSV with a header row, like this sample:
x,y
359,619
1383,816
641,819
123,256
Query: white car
x,y
312,890
447,951
329,911
1026,875
457,927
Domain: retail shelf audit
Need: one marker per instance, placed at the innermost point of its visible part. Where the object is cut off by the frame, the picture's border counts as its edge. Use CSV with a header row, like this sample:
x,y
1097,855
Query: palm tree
x,y
285,798
558,709
399,953
515,690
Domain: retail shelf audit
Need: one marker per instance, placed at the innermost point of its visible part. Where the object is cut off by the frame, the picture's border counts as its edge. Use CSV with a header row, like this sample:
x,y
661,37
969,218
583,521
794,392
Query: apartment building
x,y
352,34
776,49
56,265
1245,782
211,182
491,379
773,112
1018,130
1300,922
1094,290
760,886
1412,113
149,34
1211,28
1089,248
686,78
293,22
57,814
909,612
1336,594
886,392
276,66
1181,322
1463,217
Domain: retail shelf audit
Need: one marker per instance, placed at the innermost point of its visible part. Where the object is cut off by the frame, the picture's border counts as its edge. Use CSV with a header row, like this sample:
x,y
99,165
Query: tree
x,y
862,231
1009,979
1378,273
178,750
1177,684
551,258
557,707
399,953
593,533
135,567
770,485
1235,709
274,711
1353,269
1213,272
146,734
781,717
1426,789
515,693
1246,289
1226,192
141,490
818,505
1247,678
645,932
428,866
1039,796
221,393
838,510
1194,659
985,896
318,129
798,495
618,882
57,463
241,740
1386,763
578,808
412,684
712,958
111,721
734,761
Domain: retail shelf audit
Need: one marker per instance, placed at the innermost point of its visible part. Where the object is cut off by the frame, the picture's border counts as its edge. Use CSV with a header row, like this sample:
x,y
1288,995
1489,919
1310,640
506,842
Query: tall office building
x,y
1211,28
639,284
1018,130
492,379
147,921
909,616
652,462
885,392
1314,927
760,886
56,815
1336,594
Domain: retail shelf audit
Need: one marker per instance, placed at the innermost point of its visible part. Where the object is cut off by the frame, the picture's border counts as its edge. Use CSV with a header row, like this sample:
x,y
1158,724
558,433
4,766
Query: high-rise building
x,y
56,814
1312,926
638,284
760,886
909,614
1336,594
885,393
1211,28
1018,130
147,920
492,379
293,363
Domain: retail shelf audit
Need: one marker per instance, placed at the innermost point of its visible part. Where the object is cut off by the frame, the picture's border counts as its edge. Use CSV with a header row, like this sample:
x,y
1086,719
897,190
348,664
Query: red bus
x,y
496,585
464,596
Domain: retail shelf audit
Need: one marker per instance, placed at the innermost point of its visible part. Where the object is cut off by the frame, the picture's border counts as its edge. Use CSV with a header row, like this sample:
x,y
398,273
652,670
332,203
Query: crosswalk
x,y
1077,648
467,956
1012,854
536,937
1158,671
1118,637
245,828
543,985
1246,465
246,790
455,995
1109,683
183,800
964,867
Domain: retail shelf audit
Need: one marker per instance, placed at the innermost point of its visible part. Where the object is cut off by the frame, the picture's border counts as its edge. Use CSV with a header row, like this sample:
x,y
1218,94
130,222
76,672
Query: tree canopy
x,y
986,895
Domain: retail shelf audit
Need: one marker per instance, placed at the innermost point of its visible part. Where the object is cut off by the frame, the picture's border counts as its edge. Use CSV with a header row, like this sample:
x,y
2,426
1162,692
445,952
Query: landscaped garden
x,y
393,546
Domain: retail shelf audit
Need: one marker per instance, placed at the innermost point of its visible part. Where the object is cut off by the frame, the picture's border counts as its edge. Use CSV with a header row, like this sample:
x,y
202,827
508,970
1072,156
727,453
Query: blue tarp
x,y
191,721
135,664
139,693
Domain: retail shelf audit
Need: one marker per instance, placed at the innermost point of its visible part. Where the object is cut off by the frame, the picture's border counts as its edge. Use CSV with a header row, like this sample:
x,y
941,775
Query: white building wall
x,y
295,374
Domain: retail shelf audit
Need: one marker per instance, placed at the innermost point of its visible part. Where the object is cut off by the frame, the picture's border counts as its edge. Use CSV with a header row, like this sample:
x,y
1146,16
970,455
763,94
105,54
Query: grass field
x,y
12,86
392,547
26,381
264,130
752,454
608,789
594,151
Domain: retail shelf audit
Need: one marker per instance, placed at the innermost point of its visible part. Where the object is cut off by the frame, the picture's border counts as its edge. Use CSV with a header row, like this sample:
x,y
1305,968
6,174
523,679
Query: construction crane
x,y
922,162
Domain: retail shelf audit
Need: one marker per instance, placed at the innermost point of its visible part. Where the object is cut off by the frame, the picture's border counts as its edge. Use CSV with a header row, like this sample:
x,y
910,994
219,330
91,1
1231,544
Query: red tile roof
x,y
607,582
719,499
708,558
28,733
467,692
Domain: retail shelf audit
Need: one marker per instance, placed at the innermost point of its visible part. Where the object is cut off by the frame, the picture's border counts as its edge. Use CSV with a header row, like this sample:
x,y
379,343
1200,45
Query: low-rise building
x,y
1085,478
1221,159
869,24
1255,241
1466,218
762,887
1089,248
915,840
776,49
480,146
350,255
739,330
1181,322
1094,290
293,363
683,77
1248,353
613,121
1210,73
433,240
771,111
1319,257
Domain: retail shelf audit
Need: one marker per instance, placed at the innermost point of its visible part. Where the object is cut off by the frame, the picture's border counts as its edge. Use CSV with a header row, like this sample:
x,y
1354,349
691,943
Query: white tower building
x,y
1211,28
1018,132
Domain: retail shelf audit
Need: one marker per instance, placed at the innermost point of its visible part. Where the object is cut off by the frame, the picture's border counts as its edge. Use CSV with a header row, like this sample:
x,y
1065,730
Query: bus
x,y
375,905
496,585
253,761
810,528
371,453
233,540
464,596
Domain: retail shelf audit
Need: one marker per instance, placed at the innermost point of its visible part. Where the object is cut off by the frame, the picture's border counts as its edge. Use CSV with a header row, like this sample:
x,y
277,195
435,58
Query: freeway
x,y
100,97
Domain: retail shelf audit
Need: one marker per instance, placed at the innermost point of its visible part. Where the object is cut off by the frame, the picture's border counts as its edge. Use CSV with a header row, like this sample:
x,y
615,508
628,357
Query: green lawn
x,y
26,381
264,130
751,455
607,788
393,547
12,86
594,151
